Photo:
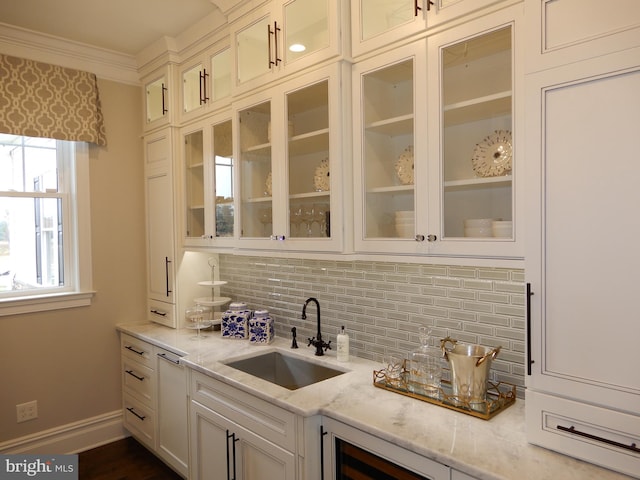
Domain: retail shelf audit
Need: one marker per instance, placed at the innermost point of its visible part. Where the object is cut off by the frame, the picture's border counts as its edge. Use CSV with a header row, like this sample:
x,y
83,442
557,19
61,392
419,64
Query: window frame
x,y
78,290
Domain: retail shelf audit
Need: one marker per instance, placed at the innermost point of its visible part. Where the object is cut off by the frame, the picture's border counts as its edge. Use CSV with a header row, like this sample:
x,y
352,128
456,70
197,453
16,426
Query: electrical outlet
x,y
27,411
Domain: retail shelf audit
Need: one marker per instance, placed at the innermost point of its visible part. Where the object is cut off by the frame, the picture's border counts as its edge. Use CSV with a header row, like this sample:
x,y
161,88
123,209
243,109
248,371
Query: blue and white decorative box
x,y
261,327
235,321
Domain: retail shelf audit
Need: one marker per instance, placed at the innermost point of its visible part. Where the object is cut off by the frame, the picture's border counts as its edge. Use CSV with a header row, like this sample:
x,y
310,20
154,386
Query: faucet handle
x,y
327,346
312,341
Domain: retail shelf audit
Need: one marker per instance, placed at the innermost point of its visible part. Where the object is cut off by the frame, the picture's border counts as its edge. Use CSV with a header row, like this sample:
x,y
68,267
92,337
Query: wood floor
x,y
125,459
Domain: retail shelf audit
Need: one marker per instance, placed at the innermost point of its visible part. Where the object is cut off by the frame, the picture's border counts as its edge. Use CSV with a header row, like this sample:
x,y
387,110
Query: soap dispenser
x,y
343,346
425,367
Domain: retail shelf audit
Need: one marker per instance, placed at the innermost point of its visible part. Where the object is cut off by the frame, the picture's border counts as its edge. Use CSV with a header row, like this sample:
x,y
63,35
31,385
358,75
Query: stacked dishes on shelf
x,y
405,223
488,227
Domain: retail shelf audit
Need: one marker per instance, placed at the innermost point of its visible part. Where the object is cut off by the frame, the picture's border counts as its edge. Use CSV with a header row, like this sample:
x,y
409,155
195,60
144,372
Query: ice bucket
x,y
470,366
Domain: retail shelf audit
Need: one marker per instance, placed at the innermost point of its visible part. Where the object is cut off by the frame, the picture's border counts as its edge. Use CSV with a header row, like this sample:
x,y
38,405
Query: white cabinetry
x,y
583,390
205,81
155,402
378,24
232,430
565,31
159,197
414,163
284,36
347,450
208,171
158,92
289,141
172,408
139,389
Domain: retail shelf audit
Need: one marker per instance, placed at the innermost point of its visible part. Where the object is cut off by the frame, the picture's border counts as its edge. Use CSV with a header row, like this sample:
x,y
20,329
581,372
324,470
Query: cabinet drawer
x,y
137,350
594,434
138,380
270,422
162,313
139,420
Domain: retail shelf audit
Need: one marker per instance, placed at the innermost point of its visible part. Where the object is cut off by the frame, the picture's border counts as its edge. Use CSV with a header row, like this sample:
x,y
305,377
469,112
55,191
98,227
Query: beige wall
x,y
68,360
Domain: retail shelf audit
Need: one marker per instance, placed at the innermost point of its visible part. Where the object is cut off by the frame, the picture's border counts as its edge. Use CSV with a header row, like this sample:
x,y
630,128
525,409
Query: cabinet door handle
x,y
141,417
129,347
169,359
322,434
429,3
130,372
203,86
158,312
529,360
164,107
233,438
275,35
416,8
420,238
432,238
166,273
573,431
269,33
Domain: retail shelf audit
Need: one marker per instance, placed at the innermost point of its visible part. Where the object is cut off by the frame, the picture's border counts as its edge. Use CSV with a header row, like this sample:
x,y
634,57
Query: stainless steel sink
x,y
284,370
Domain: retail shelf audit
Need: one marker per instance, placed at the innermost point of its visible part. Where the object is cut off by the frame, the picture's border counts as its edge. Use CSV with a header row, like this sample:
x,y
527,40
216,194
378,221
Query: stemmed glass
x,y
264,215
194,317
320,216
308,217
296,219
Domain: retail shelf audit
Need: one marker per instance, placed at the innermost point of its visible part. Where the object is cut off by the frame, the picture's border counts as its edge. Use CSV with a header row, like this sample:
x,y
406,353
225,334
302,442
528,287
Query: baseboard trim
x,y
70,438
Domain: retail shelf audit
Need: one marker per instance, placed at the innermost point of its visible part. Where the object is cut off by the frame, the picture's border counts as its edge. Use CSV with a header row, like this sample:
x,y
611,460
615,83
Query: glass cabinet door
x,y
192,88
256,184
306,26
156,99
194,184
221,75
477,161
384,15
252,50
224,177
308,161
387,117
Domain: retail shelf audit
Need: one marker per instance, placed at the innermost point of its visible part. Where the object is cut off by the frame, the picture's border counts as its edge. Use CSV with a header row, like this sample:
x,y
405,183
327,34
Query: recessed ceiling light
x,y
297,47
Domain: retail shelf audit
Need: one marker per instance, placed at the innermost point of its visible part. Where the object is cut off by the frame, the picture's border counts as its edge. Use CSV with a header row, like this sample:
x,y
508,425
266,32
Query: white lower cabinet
x,y
155,402
352,453
173,423
235,435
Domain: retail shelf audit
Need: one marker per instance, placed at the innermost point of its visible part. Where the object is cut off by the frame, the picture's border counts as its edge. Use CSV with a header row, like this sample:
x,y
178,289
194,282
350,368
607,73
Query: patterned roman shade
x,y
42,100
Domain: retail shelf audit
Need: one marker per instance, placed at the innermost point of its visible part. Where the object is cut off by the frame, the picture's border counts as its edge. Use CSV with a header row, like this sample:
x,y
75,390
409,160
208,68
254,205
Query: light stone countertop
x,y
494,449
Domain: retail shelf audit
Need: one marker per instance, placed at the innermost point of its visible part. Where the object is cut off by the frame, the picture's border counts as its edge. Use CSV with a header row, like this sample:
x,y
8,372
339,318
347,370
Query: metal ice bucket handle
x,y
492,354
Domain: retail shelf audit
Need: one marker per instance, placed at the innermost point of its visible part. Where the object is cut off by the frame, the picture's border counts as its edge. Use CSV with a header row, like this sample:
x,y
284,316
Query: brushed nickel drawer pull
x,y
573,430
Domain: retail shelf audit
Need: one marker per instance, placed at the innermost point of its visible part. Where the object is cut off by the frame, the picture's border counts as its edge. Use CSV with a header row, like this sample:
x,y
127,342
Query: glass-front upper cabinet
x,y
474,117
436,151
282,37
289,146
390,154
378,23
208,181
158,91
205,82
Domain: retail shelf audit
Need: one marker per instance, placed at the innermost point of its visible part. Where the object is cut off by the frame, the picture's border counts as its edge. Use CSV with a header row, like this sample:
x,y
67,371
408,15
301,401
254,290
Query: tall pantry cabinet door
x,y
160,227
582,257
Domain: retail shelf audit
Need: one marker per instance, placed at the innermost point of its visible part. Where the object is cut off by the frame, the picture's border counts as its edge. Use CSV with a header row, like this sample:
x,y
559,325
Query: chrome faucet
x,y
316,341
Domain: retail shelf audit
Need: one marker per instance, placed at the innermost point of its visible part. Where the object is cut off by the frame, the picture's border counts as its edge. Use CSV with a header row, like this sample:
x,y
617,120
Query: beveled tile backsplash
x,y
382,304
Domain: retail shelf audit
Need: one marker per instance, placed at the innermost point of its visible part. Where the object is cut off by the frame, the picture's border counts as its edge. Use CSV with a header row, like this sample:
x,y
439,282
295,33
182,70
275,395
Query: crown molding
x,y
104,63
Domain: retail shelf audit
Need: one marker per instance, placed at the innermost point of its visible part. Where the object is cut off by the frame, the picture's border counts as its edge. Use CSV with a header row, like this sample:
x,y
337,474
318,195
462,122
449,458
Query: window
x,y
44,255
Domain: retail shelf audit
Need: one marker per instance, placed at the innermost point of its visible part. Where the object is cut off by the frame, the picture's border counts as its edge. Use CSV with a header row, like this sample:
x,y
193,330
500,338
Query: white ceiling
x,y
125,26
